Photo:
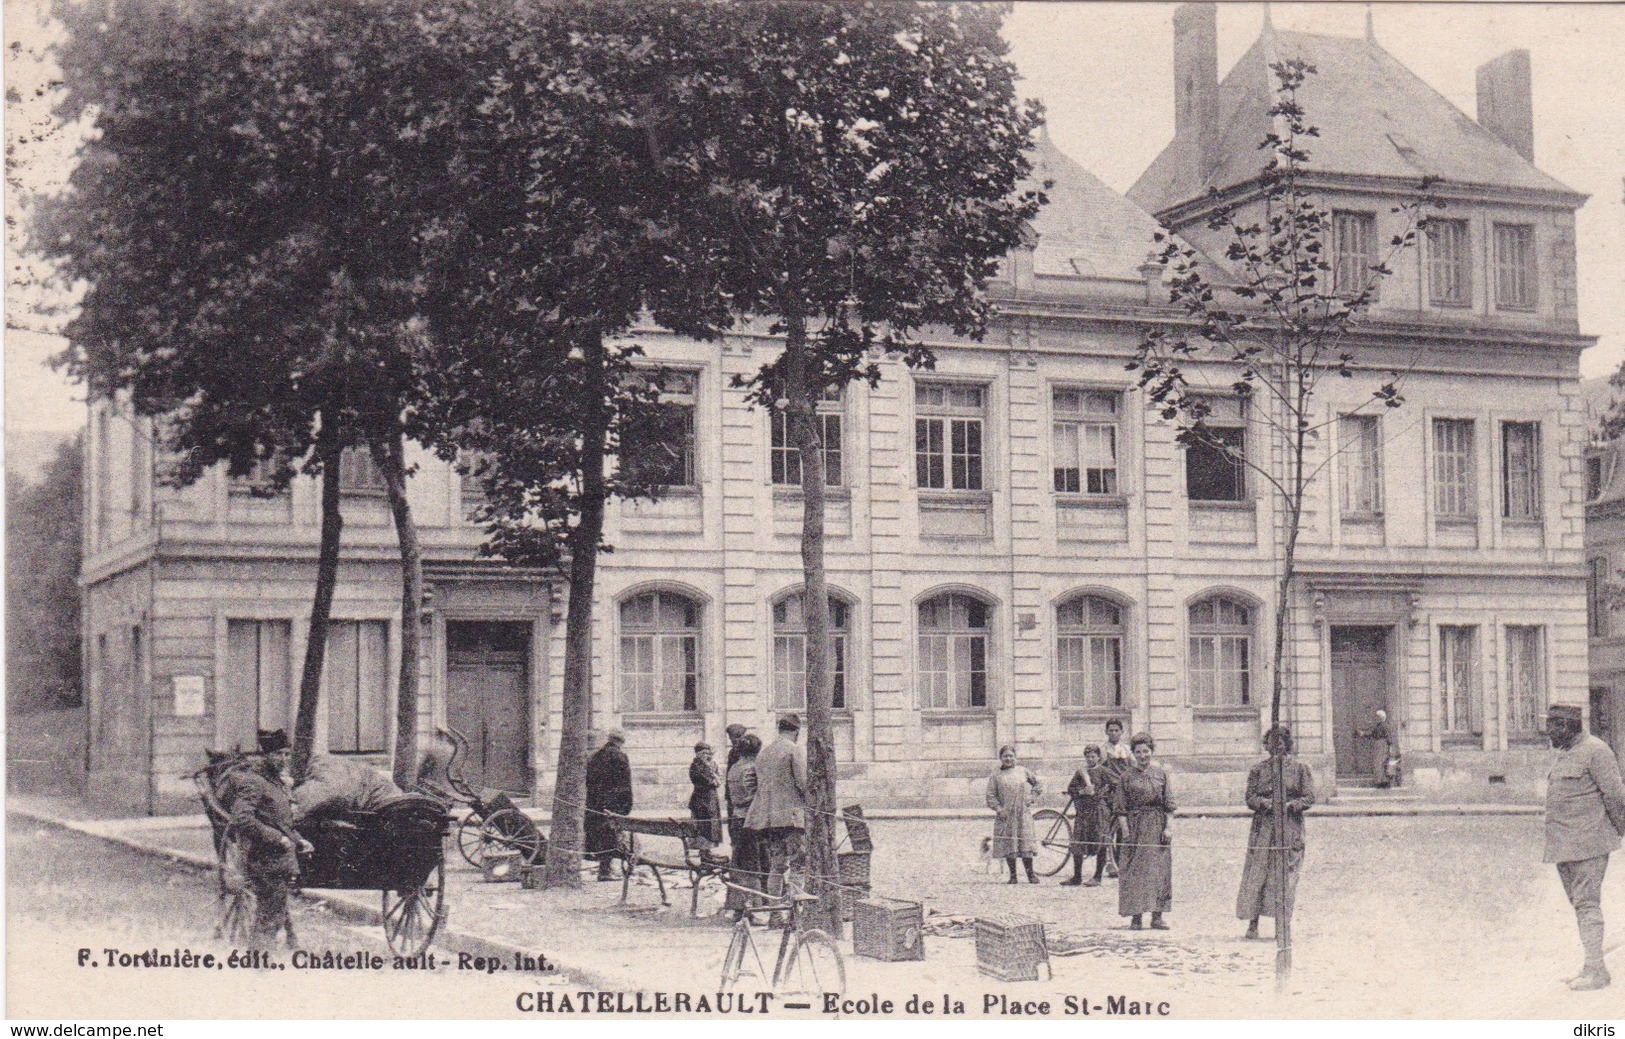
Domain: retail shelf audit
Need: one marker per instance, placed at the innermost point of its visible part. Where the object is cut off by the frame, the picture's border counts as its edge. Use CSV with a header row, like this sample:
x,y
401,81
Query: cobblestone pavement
x,y
1414,916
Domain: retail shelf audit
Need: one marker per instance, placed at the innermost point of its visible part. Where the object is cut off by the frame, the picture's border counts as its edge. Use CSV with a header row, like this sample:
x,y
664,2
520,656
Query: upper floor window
x,y
1215,460
1089,652
671,464
1354,250
259,481
1360,447
1220,653
1449,263
785,460
1526,678
790,653
359,472
659,662
948,435
1085,431
1597,597
952,664
1454,495
1458,679
1515,266
1520,470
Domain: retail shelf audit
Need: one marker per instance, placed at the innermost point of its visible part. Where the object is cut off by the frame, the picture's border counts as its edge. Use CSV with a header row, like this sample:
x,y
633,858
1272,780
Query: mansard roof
x,y
1376,118
1087,229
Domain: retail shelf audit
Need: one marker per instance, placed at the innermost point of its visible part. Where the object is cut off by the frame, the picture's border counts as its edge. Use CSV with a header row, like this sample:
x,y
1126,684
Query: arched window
x,y
659,664
952,661
790,653
1220,653
1089,652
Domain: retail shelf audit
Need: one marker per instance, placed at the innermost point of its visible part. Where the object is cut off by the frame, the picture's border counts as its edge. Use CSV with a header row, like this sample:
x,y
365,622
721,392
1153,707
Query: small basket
x,y
857,828
501,867
532,875
1010,947
888,929
852,869
848,898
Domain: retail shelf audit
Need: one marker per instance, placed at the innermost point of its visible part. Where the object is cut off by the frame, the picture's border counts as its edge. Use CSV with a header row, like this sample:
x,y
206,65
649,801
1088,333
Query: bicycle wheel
x,y
733,964
1054,844
814,965
469,843
511,830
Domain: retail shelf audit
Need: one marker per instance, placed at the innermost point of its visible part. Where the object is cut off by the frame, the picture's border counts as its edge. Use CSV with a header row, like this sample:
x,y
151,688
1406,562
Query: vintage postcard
x,y
639,511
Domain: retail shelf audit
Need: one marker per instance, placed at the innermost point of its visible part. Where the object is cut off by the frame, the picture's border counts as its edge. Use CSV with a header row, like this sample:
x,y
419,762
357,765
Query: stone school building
x,y
1018,550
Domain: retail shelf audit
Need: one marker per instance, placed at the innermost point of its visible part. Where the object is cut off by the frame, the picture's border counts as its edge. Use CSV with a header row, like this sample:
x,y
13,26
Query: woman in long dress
x,y
1092,825
1010,793
1142,806
1260,893
703,803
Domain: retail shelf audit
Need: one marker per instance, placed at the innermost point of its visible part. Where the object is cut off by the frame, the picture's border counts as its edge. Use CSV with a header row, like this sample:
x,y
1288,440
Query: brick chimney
x,y
1505,106
1196,81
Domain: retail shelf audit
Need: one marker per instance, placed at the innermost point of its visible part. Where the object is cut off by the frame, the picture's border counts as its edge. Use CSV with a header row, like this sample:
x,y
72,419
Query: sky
x,y
1104,73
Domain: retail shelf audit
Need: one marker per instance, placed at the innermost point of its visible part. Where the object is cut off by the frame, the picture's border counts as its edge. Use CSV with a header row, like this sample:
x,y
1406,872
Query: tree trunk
x,y
327,578
802,389
567,842
390,456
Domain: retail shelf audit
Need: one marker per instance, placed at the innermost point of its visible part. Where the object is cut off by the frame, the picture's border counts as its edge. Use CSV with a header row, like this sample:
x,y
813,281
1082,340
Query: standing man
x,y
1585,817
735,733
609,791
778,813
257,797
1117,759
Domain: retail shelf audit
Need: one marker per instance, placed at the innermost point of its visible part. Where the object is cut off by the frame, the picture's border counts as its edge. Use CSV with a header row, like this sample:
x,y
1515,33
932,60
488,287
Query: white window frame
x,y
784,458
939,686
1452,701
1515,276
1450,276
789,646
1088,433
1359,444
1237,421
1092,643
1524,724
1461,488
961,471
652,643
1521,503
1206,646
1352,262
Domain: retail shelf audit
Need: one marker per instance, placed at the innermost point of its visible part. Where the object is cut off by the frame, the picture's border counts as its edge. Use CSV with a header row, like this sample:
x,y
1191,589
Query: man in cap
x,y
735,733
1585,818
778,813
609,790
257,797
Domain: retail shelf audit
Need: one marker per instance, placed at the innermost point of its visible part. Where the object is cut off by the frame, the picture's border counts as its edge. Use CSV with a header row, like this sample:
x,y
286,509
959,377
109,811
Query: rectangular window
x,y
785,457
1597,597
1221,672
1449,263
140,471
1354,250
1454,494
948,436
1594,474
257,675
1085,432
1515,266
1458,680
355,684
673,464
359,473
1526,679
1215,462
1360,463
1089,670
1520,470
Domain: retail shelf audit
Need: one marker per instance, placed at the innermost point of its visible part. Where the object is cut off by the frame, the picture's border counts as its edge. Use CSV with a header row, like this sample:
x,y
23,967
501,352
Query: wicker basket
x,y
1010,947
852,868
532,875
888,929
848,897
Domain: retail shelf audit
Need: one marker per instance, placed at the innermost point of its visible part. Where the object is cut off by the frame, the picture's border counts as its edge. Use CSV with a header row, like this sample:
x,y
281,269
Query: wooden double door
x,y
1361,677
488,700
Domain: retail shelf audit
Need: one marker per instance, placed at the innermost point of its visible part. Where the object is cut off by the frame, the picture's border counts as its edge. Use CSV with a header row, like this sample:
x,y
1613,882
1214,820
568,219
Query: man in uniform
x,y
1585,817
609,790
257,797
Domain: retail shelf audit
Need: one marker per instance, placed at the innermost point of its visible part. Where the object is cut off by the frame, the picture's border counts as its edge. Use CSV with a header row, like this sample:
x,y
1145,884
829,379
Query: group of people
x,y
760,792
1122,806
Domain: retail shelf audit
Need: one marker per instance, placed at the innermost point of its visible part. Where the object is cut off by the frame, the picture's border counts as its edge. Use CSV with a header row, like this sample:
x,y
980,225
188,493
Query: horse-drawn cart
x,y
398,850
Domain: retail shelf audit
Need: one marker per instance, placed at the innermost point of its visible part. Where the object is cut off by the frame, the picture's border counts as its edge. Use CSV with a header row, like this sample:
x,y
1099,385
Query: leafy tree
x,y
865,187
1289,329
247,219
42,584
1612,424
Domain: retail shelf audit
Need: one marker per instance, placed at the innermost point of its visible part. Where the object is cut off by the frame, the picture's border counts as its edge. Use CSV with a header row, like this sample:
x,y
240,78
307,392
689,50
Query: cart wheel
x,y
412,917
511,830
469,842
1055,844
813,965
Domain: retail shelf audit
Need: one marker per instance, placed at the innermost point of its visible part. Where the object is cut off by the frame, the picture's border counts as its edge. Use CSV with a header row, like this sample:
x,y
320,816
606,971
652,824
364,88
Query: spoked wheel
x,y
412,917
469,842
733,964
814,964
511,830
236,925
1054,842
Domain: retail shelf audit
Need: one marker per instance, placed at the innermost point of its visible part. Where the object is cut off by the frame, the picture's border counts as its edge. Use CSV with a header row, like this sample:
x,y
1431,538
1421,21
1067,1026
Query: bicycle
x,y
808,961
1055,846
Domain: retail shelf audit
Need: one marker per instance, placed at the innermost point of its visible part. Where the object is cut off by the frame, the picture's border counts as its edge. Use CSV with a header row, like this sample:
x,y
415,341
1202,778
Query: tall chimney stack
x,y
1505,103
1196,81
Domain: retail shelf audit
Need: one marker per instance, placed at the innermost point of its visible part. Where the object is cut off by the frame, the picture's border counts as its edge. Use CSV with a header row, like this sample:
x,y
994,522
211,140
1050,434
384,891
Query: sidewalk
x,y
1201,967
